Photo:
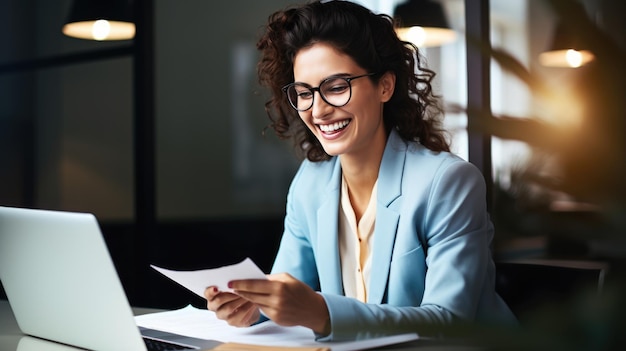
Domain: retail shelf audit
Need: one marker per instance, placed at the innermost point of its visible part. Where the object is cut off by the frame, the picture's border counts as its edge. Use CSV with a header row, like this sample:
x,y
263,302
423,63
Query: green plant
x,y
588,165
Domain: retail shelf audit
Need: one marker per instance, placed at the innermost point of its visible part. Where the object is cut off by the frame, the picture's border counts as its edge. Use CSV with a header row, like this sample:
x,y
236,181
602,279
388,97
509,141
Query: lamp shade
x,y
424,23
100,20
565,50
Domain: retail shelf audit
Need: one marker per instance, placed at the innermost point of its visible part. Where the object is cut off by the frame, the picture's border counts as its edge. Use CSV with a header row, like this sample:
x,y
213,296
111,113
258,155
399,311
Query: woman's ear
x,y
387,84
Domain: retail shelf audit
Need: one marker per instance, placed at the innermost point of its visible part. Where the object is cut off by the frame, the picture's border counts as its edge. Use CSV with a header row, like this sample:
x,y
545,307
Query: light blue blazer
x,y
431,258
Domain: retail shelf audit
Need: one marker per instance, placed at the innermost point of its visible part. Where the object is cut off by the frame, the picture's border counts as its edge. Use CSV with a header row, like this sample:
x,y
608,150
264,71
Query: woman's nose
x,y
320,107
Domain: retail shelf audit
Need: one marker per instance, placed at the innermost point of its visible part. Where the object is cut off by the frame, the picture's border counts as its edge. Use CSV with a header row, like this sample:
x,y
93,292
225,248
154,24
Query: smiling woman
x,y
375,56
386,231
353,104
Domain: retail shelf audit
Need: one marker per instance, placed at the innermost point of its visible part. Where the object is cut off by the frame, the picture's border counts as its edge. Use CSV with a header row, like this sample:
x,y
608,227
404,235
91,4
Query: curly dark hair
x,y
370,40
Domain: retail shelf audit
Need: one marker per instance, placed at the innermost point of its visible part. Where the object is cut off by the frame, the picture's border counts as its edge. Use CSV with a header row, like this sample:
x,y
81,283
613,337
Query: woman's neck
x,y
360,174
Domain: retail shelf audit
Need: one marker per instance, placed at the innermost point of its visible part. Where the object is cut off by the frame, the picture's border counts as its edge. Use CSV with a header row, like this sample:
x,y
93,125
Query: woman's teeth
x,y
329,128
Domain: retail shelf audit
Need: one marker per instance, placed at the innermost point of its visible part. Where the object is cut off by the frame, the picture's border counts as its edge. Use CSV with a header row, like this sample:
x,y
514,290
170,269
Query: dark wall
x,y
67,138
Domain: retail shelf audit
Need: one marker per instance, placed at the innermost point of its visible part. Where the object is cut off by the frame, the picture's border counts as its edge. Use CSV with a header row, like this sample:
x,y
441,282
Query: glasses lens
x,y
336,91
300,96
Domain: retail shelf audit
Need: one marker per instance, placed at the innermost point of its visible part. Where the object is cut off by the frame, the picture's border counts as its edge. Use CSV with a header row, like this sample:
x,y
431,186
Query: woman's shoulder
x,y
419,153
318,168
312,175
420,159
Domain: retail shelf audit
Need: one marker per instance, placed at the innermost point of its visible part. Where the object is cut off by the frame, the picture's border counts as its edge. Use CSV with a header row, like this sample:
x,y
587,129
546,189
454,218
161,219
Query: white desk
x,y
10,334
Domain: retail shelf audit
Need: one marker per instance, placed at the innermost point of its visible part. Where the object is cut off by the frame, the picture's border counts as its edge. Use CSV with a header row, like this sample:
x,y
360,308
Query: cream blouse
x,y
355,240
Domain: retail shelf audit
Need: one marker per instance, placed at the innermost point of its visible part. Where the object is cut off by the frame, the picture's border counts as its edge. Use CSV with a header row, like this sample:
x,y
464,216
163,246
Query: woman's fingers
x,y
286,301
216,299
244,315
210,292
232,308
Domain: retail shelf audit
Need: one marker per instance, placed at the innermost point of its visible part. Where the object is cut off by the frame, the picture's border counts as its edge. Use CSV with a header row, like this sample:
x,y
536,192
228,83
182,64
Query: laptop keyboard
x,y
160,345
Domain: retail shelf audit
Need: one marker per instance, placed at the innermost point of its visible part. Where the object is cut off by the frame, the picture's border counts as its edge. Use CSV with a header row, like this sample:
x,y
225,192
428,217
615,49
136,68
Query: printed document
x,y
198,281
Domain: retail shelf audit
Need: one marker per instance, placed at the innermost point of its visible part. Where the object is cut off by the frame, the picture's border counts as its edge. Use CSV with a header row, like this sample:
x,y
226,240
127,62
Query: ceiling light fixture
x,y
423,23
100,20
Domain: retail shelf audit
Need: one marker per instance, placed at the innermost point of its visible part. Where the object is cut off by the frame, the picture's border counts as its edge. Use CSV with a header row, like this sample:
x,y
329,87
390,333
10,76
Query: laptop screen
x,y
61,282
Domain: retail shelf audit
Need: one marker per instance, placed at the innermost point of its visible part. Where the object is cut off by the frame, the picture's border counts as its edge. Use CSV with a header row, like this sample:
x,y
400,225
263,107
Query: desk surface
x,y
10,336
10,333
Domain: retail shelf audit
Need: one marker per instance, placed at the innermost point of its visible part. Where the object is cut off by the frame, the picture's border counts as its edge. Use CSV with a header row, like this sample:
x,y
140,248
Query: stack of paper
x,y
203,324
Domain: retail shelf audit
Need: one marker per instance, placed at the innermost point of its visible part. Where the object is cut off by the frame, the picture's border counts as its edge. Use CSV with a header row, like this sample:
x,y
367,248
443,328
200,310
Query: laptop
x,y
62,285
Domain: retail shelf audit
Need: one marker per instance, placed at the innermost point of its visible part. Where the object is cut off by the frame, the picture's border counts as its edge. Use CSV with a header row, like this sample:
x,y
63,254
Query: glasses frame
x,y
314,89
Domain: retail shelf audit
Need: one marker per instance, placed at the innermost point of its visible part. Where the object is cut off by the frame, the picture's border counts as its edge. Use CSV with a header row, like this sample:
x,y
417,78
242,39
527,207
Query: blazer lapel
x,y
328,261
389,189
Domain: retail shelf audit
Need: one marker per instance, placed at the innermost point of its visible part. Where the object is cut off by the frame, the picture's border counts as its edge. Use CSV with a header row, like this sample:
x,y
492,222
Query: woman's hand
x,y
232,308
286,301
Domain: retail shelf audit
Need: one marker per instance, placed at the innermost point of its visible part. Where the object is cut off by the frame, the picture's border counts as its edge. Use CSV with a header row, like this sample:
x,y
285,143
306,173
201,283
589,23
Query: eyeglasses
x,y
335,91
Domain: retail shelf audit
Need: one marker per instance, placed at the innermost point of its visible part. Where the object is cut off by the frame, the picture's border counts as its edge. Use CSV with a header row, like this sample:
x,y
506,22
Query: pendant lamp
x,y
100,20
423,23
565,50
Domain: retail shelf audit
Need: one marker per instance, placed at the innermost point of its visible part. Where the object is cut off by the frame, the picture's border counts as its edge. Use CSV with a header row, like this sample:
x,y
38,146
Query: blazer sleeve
x,y
295,253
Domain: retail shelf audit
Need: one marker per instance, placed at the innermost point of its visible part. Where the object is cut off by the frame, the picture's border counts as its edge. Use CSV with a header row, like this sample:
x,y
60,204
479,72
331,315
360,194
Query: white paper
x,y
203,324
198,281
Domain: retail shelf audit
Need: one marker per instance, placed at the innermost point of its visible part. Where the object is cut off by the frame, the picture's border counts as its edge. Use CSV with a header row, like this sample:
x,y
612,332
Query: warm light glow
x,y
566,58
562,106
416,35
574,58
100,30
426,36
